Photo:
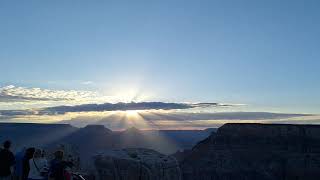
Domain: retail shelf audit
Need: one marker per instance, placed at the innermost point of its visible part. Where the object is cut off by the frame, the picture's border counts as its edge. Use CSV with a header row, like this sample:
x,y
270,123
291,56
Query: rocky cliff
x,y
136,164
256,151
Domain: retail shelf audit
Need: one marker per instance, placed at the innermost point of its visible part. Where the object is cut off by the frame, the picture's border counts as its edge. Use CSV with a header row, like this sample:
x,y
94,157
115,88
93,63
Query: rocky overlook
x,y
136,164
256,151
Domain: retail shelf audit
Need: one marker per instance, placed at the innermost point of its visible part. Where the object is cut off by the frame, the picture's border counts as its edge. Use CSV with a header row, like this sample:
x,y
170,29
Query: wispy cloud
x,y
22,94
87,82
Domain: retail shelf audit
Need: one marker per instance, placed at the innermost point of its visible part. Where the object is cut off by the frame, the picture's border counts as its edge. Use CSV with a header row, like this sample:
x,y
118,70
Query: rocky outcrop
x,y
256,151
136,164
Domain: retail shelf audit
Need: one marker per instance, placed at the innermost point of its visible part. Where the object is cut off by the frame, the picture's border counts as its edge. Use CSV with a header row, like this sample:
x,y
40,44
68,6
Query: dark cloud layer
x,y
124,107
108,107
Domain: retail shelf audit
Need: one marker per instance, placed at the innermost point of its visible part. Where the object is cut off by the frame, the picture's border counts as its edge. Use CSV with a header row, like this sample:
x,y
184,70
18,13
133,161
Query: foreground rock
x,y
256,151
136,164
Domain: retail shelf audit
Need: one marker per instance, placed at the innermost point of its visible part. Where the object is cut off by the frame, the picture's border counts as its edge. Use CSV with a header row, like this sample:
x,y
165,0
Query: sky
x,y
258,56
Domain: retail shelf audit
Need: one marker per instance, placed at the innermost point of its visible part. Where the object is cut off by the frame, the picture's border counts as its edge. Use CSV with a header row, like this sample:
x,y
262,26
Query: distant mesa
x,y
133,130
95,138
94,127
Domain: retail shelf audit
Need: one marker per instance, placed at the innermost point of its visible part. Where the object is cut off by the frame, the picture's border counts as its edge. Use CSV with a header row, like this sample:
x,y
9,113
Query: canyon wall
x,y
255,151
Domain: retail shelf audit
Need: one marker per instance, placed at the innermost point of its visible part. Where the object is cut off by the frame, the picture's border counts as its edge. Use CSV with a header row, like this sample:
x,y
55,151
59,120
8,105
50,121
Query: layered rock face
x,y
136,164
256,151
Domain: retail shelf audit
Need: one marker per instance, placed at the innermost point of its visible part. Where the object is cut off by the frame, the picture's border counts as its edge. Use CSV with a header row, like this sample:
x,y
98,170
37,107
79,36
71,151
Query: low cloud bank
x,y
125,107
58,110
159,119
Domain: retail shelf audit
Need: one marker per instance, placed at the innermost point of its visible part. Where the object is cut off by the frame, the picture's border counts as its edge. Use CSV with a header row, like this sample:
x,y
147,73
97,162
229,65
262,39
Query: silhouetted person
x,y
58,167
18,171
6,161
38,166
25,163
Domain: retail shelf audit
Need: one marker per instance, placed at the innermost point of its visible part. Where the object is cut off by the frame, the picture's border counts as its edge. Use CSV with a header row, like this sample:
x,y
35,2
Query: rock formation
x,y
256,151
136,164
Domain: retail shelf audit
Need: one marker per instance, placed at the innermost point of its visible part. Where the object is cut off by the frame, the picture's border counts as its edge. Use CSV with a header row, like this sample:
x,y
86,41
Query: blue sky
x,y
261,53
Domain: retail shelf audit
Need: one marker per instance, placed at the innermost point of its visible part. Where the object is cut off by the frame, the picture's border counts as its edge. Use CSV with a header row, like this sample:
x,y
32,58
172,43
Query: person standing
x,y
7,161
26,163
38,166
18,171
58,167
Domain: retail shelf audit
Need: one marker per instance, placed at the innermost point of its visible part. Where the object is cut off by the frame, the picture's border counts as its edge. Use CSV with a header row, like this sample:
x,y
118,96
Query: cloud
x,y
110,107
126,106
186,116
80,108
22,94
154,119
87,82
12,113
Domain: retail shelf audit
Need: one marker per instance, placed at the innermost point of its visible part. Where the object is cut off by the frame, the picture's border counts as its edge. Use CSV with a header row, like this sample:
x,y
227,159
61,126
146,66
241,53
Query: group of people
x,y
31,164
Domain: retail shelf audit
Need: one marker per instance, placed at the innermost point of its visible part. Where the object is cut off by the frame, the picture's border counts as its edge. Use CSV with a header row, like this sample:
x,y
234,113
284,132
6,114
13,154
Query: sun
x,y
132,113
133,118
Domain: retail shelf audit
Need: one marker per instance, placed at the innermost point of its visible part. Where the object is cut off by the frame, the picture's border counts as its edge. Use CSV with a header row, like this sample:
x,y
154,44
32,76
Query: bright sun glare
x,y
131,113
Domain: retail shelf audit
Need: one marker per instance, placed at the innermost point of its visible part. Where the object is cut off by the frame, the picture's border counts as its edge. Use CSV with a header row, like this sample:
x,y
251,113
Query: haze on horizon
x,y
250,61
